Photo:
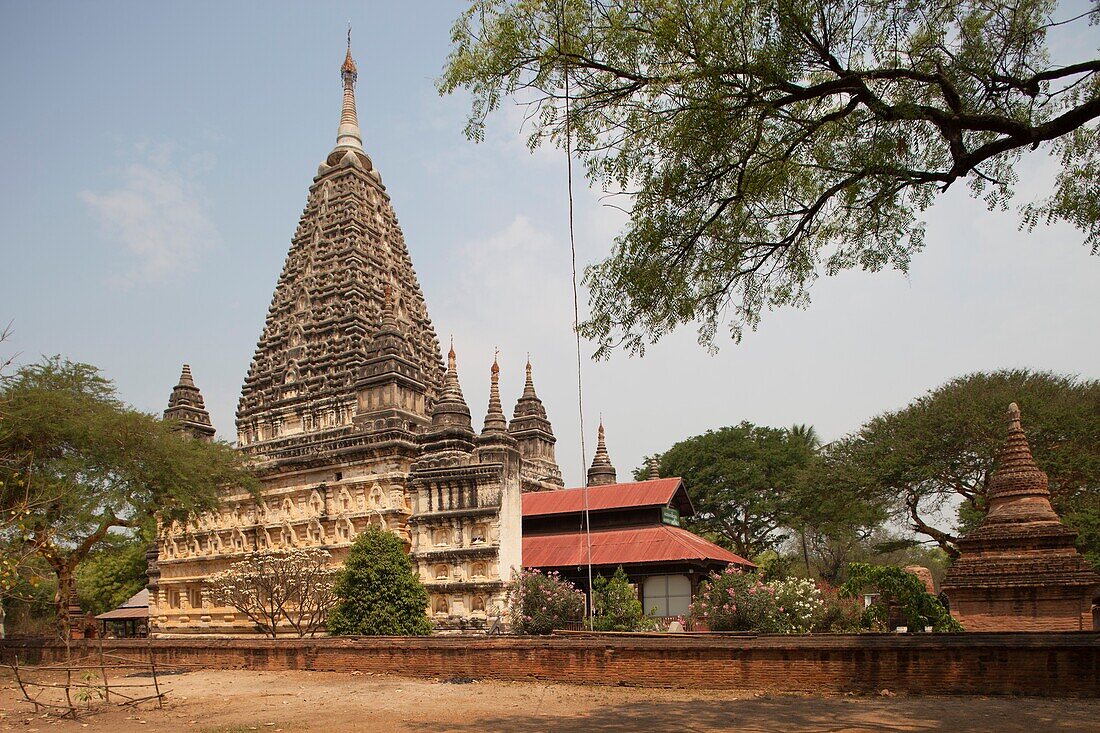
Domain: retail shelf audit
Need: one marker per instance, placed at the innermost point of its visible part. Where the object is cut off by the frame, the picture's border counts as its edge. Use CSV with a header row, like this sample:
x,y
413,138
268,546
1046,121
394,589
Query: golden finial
x,y
349,63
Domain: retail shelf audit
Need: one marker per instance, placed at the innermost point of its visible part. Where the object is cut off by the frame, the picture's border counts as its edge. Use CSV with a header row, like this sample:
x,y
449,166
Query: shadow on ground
x,y
807,714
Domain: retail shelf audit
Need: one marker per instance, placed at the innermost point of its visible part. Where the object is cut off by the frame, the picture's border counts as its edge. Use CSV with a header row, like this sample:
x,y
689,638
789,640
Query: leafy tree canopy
x,y
939,452
77,463
744,482
378,592
114,571
762,143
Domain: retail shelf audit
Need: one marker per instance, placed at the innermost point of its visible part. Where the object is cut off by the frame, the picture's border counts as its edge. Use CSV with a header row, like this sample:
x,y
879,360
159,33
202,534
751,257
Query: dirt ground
x,y
237,701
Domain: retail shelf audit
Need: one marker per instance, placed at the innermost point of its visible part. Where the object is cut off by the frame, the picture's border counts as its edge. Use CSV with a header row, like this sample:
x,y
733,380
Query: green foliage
x,y
616,604
750,483
763,144
540,602
378,594
28,603
76,463
897,587
940,450
113,572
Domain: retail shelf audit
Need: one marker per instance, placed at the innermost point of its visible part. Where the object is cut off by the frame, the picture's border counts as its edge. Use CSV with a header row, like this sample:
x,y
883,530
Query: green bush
x,y
617,607
538,603
897,587
379,595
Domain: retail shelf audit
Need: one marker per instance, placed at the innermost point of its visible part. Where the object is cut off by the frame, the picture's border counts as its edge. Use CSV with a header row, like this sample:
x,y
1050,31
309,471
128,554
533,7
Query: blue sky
x,y
155,161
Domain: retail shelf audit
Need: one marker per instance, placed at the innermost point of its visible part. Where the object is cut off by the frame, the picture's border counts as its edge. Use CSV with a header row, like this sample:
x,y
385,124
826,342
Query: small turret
x,y
601,472
451,427
495,422
391,392
187,409
535,438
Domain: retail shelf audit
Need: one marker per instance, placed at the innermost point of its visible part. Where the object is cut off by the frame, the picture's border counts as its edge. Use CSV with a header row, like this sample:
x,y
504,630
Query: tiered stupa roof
x,y
601,471
187,408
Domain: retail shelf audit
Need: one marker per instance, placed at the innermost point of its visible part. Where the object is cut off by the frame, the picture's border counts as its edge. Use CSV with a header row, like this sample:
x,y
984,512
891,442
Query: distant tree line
x,y
904,487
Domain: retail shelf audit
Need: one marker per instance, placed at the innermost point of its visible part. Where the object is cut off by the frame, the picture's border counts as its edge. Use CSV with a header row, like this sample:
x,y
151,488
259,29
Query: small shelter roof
x,y
137,606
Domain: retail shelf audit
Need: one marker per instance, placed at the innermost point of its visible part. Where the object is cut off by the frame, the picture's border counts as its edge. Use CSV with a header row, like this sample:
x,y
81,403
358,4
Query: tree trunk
x,y
66,586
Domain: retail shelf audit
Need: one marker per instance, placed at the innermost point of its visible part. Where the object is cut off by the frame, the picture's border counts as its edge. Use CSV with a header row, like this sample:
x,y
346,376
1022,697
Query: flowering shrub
x,y
539,602
737,601
843,614
800,605
278,588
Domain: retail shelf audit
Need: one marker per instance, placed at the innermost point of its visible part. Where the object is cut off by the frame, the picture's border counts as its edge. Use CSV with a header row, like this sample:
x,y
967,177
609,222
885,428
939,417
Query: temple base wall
x,y
1049,665
1022,609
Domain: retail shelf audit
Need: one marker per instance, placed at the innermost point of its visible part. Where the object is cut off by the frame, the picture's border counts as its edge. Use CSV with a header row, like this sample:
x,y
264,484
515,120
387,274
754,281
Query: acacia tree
x,y
80,465
936,456
270,587
762,143
743,481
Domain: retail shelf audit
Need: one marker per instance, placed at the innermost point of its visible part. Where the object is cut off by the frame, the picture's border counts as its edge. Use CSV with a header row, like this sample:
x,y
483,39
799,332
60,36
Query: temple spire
x,y
602,472
495,421
535,436
348,135
529,385
653,469
450,409
187,409
1018,481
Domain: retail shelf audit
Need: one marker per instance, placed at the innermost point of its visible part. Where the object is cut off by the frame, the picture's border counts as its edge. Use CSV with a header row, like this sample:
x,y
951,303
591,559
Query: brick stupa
x,y
1020,570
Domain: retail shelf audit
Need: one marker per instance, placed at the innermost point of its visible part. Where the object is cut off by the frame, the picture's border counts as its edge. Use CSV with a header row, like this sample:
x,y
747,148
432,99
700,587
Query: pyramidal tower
x,y
351,423
347,251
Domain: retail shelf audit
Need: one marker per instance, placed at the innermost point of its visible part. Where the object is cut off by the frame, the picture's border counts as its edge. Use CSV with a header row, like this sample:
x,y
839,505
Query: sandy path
x,y
234,702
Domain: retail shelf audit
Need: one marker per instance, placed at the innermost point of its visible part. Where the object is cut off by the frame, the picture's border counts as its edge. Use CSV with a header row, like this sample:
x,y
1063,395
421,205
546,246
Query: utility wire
x,y
585,524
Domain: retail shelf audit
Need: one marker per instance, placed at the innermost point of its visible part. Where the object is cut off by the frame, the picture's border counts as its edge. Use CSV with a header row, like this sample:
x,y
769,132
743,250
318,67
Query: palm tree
x,y
807,436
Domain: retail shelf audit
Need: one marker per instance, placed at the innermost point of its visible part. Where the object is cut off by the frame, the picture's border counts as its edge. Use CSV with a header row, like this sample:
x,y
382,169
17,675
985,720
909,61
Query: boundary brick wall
x,y
1041,664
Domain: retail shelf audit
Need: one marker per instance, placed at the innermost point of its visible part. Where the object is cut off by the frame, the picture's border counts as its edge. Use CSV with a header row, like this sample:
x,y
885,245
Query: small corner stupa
x,y
1020,570
187,408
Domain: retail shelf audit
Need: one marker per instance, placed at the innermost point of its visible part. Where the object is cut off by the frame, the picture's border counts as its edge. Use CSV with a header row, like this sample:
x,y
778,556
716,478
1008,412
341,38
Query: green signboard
x,y
669,515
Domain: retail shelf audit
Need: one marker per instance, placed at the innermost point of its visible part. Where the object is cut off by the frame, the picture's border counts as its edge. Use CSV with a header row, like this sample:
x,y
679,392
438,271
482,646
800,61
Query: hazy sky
x,y
155,159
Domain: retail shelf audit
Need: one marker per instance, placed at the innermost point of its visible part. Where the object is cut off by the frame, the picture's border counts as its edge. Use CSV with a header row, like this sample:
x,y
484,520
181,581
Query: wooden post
x,y
156,685
103,671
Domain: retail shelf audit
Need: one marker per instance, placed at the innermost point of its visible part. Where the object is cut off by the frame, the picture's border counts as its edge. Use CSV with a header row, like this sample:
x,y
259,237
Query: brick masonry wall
x,y
1043,664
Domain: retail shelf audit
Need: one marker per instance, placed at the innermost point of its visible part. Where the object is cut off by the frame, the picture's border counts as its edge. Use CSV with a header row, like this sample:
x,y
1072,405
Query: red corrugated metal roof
x,y
657,492
653,543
